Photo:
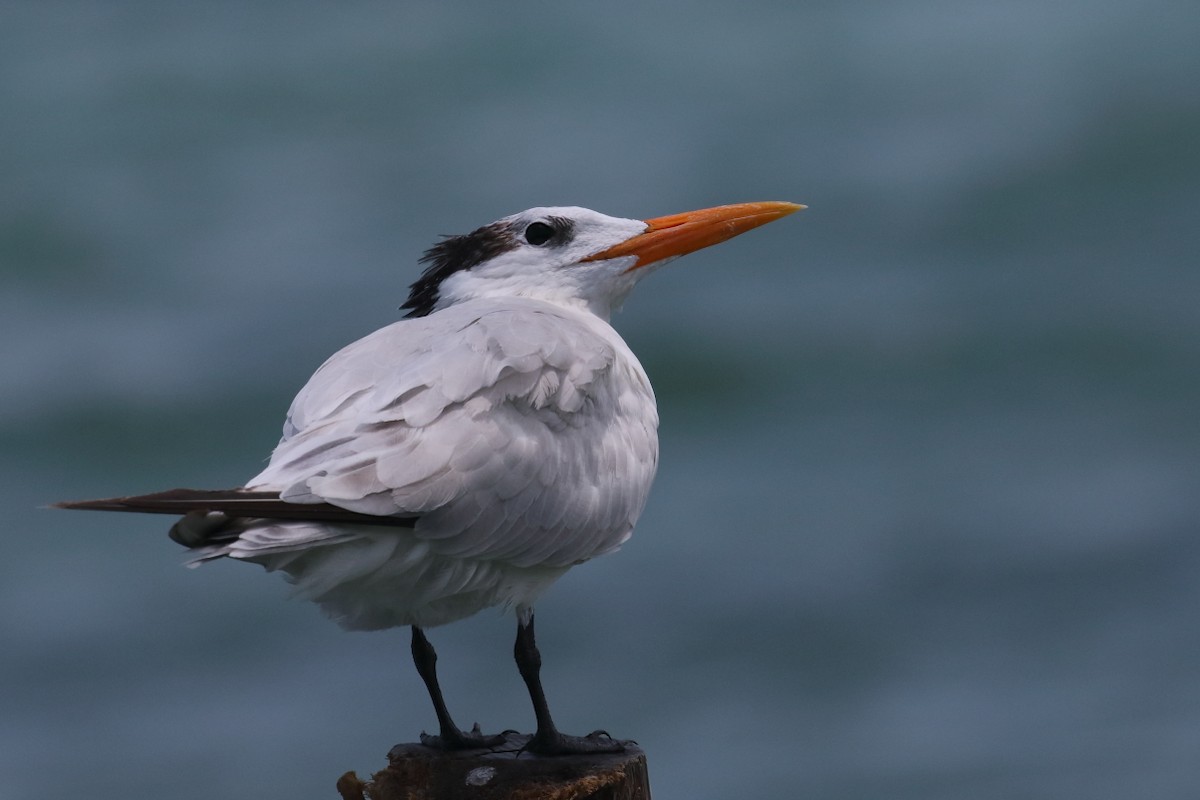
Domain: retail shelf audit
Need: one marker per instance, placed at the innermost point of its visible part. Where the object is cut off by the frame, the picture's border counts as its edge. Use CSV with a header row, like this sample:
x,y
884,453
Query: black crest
x,y
451,255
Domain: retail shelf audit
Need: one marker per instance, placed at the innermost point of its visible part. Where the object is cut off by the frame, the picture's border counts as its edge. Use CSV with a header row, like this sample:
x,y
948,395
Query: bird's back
x,y
521,433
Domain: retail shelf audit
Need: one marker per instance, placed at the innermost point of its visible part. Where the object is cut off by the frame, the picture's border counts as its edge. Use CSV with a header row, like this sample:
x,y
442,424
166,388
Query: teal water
x,y
926,522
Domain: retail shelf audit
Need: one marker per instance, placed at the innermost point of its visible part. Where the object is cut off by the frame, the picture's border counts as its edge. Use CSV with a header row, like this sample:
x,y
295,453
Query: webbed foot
x,y
455,739
560,744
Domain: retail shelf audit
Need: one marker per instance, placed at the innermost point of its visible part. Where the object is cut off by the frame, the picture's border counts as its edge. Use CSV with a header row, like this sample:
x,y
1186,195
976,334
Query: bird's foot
x,y
455,739
560,744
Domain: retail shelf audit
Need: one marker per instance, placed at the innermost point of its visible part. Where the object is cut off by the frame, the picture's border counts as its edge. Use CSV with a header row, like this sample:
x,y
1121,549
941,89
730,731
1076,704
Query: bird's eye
x,y
538,233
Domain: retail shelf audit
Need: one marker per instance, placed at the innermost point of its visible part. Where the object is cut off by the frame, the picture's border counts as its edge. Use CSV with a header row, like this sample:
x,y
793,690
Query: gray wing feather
x,y
472,418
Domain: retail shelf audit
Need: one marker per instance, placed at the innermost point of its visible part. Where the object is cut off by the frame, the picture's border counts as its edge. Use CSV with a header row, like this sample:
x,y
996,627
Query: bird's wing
x,y
516,431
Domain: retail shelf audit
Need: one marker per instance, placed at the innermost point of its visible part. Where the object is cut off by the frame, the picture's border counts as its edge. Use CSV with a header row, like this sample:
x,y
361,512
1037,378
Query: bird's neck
x,y
594,290
602,309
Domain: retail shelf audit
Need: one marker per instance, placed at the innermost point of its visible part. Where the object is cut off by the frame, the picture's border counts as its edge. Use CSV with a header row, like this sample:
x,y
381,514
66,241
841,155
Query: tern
x,y
471,453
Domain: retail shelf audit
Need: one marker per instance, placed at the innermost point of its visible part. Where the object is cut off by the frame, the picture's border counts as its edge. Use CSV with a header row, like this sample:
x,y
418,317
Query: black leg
x,y
449,737
548,741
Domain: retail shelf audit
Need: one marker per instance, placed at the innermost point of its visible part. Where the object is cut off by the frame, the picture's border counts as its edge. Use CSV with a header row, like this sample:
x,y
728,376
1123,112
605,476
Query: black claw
x,y
458,740
562,745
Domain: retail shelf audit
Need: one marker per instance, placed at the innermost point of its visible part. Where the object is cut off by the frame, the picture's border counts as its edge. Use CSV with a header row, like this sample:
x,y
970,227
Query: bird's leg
x,y
449,737
548,741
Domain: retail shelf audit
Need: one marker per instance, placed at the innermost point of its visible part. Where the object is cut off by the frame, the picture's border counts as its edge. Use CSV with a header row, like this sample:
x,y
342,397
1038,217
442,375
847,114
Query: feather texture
x,y
517,436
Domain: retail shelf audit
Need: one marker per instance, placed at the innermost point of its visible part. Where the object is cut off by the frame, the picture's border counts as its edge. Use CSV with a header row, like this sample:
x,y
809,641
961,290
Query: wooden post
x,y
416,772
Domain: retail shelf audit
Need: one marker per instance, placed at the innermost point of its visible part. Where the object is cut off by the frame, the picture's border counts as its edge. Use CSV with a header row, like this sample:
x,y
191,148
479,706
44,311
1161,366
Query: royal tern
x,y
471,453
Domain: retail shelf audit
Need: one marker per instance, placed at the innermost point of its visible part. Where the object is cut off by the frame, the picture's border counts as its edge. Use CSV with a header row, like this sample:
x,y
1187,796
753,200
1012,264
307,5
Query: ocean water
x,y
926,521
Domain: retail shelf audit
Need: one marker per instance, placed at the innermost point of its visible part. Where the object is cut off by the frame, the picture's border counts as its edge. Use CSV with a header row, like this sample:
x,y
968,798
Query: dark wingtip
x,y
107,504
172,501
235,503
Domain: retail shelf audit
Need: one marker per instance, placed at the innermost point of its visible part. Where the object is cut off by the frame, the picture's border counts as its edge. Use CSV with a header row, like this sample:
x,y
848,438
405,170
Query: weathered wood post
x,y
416,772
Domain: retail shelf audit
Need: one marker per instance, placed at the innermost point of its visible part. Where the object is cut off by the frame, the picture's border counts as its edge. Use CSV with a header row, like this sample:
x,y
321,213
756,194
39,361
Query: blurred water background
x,y
926,522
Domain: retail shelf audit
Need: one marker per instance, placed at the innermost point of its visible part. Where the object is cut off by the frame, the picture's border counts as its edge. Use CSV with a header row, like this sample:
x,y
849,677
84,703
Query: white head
x,y
572,256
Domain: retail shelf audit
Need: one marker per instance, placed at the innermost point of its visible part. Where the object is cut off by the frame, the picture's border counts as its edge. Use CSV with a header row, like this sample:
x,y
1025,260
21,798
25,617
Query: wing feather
x,y
472,419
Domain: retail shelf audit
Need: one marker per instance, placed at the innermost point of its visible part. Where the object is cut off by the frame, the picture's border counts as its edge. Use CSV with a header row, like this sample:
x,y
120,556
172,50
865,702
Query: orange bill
x,y
680,234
